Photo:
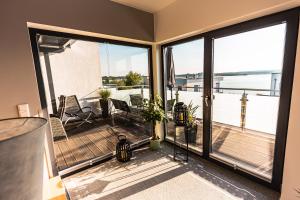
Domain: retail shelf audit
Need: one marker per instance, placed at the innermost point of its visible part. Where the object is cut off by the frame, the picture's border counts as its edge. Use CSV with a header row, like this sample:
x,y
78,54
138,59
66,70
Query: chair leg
x,y
86,120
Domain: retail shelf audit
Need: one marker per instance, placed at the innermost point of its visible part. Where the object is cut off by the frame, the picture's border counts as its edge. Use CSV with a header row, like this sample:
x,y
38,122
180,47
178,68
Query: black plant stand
x,y
178,151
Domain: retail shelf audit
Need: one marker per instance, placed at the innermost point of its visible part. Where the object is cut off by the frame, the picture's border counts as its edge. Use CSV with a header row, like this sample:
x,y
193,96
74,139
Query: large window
x,y
125,70
240,77
247,70
188,64
94,92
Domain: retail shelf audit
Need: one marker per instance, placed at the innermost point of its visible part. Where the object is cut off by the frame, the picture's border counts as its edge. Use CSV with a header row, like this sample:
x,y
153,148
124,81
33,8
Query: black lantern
x,y
123,150
180,114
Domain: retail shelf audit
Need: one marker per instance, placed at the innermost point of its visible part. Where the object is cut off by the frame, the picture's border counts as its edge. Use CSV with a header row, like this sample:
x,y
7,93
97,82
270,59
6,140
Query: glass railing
x,y
242,106
243,125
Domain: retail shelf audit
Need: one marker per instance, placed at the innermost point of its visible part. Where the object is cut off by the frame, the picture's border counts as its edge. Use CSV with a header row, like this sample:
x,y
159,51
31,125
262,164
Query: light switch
x,y
23,110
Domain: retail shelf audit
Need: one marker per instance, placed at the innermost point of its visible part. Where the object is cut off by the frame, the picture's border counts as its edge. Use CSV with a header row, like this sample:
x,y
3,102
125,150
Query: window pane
x,y
246,81
188,62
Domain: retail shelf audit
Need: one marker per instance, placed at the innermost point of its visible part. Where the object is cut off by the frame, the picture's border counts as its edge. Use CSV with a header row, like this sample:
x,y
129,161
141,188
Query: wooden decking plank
x,y
60,161
131,137
87,145
79,153
241,155
232,144
92,147
67,154
248,150
249,139
85,152
110,140
99,142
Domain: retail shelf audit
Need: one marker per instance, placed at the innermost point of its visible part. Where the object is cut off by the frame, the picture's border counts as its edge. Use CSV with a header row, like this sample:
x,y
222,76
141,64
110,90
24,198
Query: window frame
x,y
291,18
33,33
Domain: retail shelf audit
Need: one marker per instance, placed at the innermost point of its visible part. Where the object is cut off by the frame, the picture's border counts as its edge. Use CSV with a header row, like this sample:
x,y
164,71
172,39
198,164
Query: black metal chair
x,y
122,109
136,100
70,110
170,105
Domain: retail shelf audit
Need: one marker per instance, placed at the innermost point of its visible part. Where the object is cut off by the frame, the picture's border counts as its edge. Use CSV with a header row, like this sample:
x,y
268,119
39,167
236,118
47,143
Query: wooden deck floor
x,y
93,143
249,150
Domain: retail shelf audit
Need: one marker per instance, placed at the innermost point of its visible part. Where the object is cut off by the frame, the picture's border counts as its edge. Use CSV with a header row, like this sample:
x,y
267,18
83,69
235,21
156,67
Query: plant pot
x,y
190,133
154,144
104,104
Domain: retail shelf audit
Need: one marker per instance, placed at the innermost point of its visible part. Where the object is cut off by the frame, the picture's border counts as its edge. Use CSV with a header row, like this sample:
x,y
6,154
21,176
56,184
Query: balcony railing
x,y
250,108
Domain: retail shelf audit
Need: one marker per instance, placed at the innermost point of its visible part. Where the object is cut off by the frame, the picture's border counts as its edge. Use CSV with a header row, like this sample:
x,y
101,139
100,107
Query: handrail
x,y
243,99
86,97
226,88
125,86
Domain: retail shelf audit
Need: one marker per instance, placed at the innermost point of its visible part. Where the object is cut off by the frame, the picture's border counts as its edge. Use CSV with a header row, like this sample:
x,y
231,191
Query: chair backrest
x,y
136,100
120,105
170,104
61,107
72,104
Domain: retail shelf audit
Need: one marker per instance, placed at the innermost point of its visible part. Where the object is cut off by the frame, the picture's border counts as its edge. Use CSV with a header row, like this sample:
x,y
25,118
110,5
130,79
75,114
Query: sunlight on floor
x,y
151,175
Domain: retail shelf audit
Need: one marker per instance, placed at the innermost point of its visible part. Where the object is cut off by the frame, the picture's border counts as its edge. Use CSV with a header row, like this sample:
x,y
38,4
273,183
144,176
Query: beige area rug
x,y
151,175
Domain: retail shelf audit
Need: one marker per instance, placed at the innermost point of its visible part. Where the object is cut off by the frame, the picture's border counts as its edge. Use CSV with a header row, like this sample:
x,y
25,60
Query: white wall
x,y
193,16
291,173
76,71
184,18
17,74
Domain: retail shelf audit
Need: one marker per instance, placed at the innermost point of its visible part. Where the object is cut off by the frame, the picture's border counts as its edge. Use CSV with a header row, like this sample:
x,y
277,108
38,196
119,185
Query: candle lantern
x,y
180,114
123,150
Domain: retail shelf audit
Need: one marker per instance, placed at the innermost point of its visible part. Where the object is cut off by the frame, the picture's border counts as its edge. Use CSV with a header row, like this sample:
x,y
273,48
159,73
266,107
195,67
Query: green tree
x,y
133,78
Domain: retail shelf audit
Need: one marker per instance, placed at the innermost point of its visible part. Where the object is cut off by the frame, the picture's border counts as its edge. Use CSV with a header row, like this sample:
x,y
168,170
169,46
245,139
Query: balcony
x,y
244,141
97,141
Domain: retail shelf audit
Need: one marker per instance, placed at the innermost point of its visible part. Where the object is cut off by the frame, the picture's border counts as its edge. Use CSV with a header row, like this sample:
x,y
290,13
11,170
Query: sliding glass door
x,y
188,88
246,72
93,90
247,69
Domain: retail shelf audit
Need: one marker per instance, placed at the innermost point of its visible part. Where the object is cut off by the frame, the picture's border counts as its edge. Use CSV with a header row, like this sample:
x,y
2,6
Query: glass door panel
x,y
246,89
188,64
83,72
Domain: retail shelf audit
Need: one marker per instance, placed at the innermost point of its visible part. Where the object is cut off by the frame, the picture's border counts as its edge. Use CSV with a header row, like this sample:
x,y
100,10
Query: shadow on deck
x,y
248,150
98,140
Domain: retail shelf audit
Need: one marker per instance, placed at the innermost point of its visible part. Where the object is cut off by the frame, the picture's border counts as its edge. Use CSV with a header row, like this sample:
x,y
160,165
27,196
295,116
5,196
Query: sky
x,y
118,60
256,50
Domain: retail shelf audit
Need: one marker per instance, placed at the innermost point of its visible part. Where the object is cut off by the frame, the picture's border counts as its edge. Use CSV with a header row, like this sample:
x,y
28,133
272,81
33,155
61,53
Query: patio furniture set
x,y
70,111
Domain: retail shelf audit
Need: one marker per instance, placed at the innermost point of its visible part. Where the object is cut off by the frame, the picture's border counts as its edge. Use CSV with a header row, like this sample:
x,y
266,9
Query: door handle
x,y
206,100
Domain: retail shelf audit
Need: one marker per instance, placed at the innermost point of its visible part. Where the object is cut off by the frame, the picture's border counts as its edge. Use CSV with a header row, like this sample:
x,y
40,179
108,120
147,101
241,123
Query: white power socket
x,y
23,110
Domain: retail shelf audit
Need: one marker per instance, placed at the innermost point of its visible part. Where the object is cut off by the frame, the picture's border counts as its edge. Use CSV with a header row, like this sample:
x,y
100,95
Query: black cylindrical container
x,y
22,158
180,114
190,133
123,150
104,104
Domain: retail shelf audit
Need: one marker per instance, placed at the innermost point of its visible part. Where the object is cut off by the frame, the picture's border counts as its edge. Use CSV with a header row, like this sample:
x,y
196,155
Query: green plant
x,y
133,78
153,112
191,110
104,94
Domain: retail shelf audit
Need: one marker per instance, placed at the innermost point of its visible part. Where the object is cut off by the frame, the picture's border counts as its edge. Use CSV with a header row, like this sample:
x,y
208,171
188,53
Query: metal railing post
x,y
243,110
142,91
177,96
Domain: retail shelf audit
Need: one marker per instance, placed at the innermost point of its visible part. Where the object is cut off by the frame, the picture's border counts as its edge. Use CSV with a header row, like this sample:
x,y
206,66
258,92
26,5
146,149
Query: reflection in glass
x,y
246,81
188,62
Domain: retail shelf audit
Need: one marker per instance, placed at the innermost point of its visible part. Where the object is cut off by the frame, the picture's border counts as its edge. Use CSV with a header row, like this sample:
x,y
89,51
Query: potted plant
x,y
190,129
153,112
104,94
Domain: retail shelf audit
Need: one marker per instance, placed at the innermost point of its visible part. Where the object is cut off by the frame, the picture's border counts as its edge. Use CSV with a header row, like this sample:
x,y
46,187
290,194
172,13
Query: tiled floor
x,y
154,175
